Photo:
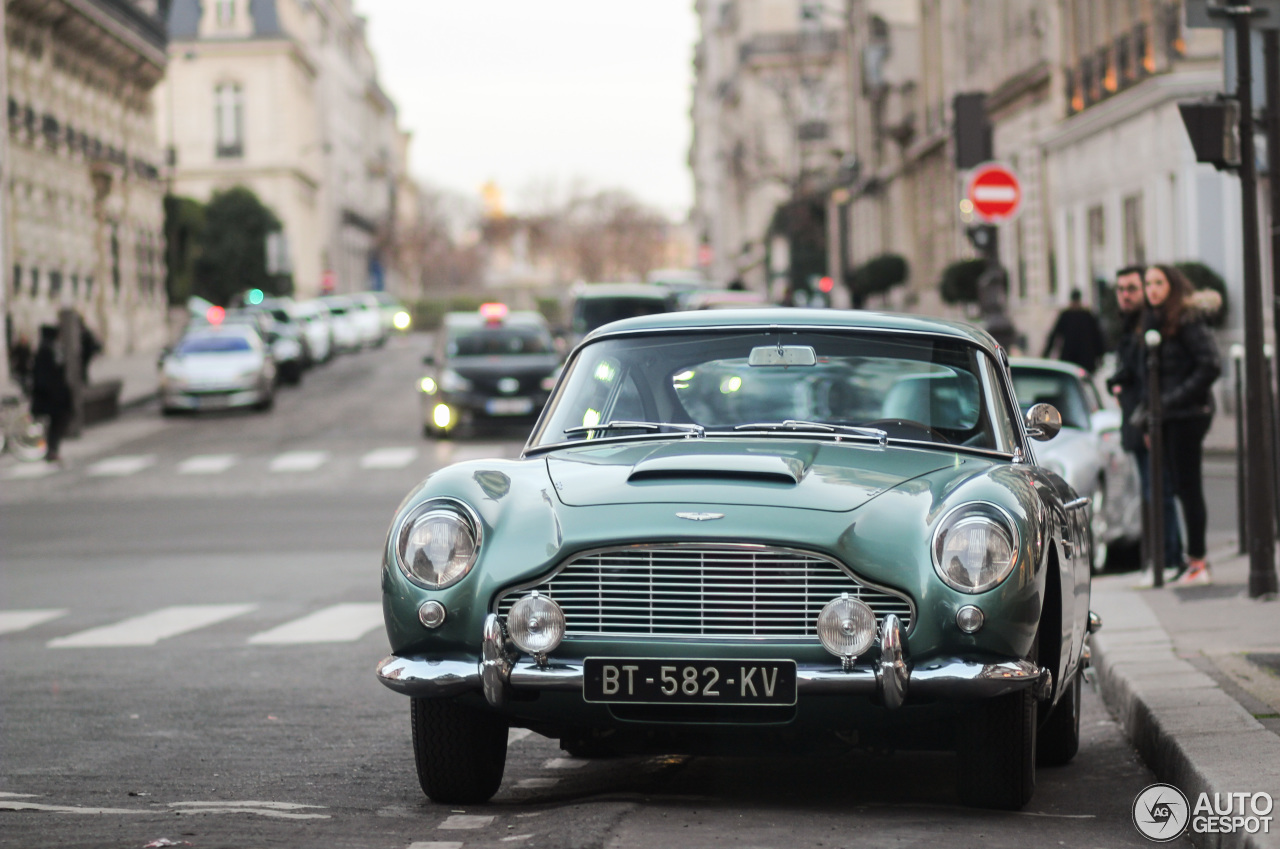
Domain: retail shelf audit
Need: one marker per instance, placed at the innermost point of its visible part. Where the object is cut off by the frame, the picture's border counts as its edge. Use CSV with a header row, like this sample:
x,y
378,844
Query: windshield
x,y
505,341
1049,386
220,344
917,387
590,313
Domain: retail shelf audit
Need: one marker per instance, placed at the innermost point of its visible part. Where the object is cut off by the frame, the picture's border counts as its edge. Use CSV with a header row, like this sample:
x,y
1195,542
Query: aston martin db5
x,y
752,532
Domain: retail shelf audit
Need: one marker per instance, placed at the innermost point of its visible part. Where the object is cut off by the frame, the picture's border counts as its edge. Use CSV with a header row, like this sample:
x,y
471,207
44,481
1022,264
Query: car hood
x,y
828,476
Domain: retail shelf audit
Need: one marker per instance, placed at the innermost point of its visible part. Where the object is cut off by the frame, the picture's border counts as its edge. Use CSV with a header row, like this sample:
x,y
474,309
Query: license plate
x,y
509,406
651,681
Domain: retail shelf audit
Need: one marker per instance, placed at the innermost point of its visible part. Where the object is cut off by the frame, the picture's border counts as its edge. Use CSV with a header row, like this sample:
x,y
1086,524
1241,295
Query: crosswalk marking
x,y
27,471
299,461
459,821
122,466
449,452
388,458
206,464
436,844
21,620
337,624
150,628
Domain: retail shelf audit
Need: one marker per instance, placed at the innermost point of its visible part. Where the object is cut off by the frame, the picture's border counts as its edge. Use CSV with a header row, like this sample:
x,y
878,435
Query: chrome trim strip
x,y
1076,504
951,679
717,546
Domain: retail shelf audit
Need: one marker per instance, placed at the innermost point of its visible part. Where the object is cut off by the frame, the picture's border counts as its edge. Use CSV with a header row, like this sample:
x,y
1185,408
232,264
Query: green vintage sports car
x,y
752,531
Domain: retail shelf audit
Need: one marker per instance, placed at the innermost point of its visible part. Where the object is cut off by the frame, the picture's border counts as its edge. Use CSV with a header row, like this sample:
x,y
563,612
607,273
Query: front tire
x,y
1059,737
460,752
997,753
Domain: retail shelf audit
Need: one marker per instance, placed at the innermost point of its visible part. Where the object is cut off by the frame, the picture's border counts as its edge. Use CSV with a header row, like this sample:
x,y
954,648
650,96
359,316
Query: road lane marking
x,y
537,783
21,620
122,466
341,623
14,805
388,458
206,464
150,628
565,763
447,452
436,844
28,471
515,735
460,821
299,461
275,810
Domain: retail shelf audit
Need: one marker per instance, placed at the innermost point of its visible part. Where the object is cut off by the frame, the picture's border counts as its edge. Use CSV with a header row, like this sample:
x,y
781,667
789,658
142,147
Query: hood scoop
x,y
758,467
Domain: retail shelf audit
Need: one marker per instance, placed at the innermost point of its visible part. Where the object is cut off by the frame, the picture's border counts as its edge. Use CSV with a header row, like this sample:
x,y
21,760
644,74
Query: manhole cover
x,y
1209,593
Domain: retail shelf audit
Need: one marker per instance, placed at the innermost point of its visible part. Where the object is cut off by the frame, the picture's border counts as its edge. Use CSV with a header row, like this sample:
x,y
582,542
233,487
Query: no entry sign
x,y
995,192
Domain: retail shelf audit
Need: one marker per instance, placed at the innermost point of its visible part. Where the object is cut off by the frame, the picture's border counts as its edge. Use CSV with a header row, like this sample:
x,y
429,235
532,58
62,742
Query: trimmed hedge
x,y
959,283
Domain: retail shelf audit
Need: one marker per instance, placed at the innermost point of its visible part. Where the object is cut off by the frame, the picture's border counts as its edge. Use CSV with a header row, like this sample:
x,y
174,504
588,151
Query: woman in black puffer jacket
x,y
1189,364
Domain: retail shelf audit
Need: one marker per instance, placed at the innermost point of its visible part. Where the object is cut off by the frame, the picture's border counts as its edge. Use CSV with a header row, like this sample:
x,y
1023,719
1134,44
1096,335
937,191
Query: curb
x,y
1185,727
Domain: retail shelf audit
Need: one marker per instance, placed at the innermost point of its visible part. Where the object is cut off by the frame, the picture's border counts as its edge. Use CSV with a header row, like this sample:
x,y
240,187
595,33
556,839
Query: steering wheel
x,y
907,429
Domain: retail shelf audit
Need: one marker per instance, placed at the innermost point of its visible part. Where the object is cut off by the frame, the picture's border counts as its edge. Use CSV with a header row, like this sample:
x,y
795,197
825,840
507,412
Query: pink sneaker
x,y
1197,575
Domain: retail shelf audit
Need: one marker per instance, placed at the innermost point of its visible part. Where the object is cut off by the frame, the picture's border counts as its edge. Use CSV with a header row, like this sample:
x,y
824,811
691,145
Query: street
x,y
189,622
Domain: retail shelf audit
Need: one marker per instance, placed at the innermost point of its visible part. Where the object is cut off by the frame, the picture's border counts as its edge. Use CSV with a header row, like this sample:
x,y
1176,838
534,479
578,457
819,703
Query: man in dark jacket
x,y
1079,333
50,392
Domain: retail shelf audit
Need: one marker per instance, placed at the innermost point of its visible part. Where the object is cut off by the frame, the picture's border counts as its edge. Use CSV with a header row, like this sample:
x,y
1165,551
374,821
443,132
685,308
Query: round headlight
x,y
975,548
536,624
846,626
438,547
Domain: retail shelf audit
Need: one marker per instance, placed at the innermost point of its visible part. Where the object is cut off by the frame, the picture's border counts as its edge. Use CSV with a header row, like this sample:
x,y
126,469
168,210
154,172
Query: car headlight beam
x,y
438,544
975,547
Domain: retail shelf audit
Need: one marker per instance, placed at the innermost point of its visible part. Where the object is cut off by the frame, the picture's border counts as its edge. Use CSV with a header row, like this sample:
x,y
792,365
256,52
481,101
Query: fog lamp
x,y
441,415
536,625
969,619
846,628
431,614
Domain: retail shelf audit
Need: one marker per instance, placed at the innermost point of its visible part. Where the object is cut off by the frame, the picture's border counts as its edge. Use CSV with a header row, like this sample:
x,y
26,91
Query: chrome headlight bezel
x,y
979,517
450,510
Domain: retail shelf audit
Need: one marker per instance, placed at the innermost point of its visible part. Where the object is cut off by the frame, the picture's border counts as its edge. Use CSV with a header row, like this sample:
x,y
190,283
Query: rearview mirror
x,y
1043,422
782,355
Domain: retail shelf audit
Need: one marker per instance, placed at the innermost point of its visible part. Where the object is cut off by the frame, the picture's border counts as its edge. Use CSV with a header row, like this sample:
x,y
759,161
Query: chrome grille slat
x,y
692,590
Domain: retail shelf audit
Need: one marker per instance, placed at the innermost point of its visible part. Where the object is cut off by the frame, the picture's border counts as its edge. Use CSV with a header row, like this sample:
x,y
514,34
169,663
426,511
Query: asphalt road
x,y
189,621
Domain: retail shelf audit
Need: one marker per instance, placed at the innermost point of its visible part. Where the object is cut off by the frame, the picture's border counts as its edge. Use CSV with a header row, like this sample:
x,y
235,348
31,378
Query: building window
x,y
115,260
55,284
75,286
35,283
1097,234
17,280
228,106
1135,245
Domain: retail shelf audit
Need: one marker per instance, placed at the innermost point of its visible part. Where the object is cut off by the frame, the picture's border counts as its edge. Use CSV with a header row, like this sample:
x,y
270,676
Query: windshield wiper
x,y
649,426
820,427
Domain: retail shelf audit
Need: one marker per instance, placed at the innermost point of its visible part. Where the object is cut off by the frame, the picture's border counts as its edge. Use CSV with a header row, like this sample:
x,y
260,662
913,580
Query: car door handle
x,y
1076,504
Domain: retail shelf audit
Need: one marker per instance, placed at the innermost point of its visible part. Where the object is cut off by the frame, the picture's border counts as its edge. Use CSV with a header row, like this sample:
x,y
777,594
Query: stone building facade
x,y
83,216
282,96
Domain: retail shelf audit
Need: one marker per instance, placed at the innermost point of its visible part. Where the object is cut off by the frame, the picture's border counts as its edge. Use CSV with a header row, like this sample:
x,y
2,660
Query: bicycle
x,y
21,434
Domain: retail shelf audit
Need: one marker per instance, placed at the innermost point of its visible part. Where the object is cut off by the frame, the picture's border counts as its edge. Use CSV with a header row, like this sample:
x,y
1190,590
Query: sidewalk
x,y
1193,676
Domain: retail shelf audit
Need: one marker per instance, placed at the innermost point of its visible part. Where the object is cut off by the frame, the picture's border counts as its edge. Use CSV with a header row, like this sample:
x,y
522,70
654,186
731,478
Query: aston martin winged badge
x,y
700,517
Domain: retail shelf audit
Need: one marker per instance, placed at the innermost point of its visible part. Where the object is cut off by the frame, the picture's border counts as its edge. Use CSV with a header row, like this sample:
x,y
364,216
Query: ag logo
x,y
1161,813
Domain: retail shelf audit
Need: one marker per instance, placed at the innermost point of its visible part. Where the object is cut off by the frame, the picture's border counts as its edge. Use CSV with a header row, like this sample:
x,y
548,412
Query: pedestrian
x,y
89,348
1079,334
1189,364
1129,385
50,393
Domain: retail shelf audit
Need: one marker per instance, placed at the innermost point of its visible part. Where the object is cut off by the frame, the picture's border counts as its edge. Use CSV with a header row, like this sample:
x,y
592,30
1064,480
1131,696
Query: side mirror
x,y
428,360
1043,422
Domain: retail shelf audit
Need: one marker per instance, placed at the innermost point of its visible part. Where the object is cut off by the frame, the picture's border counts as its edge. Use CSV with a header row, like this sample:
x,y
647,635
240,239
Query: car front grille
x,y
695,590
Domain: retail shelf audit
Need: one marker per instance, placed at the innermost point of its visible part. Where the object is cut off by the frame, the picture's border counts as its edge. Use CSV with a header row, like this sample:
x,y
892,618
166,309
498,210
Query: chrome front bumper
x,y
499,671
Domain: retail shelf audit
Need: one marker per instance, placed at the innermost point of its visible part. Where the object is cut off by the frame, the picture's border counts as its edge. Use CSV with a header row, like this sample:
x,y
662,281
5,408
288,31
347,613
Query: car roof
x,y
472,319
1052,365
236,329
624,290
793,317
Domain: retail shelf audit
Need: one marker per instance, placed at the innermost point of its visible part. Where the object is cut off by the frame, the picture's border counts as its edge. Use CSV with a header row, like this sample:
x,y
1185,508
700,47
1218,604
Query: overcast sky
x,y
542,93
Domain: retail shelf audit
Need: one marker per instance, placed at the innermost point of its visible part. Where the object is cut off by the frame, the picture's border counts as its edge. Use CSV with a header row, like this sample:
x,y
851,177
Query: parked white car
x,y
216,367
1087,451
367,313
346,333
313,320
